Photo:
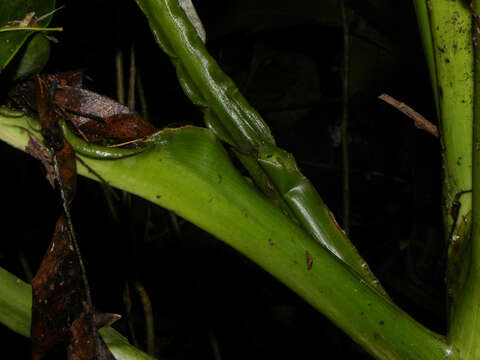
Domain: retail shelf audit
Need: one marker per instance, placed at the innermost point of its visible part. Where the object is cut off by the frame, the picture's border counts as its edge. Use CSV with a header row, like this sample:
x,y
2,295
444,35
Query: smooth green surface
x,y
234,121
120,347
15,303
180,39
189,172
465,320
423,19
15,313
16,10
451,26
97,151
32,58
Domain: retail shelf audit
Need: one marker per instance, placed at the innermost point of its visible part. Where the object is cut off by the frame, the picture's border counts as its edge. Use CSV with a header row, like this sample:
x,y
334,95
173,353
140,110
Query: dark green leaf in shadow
x,y
17,10
31,58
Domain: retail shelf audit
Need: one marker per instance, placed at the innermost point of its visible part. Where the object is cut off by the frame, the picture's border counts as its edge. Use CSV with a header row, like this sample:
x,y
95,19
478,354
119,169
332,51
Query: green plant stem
x,y
29,28
465,324
189,172
450,54
234,121
423,20
451,27
142,98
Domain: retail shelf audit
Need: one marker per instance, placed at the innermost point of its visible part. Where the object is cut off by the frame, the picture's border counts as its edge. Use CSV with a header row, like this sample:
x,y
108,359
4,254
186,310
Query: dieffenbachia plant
x,y
287,229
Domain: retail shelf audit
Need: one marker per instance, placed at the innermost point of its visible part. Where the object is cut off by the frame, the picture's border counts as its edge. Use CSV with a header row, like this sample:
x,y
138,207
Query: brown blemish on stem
x,y
334,221
309,259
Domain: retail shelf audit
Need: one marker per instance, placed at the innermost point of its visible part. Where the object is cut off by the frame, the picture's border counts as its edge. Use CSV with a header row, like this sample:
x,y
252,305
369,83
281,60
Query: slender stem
x,y
214,344
141,97
418,119
149,321
131,80
29,28
345,154
127,300
186,181
25,265
234,121
119,76
423,10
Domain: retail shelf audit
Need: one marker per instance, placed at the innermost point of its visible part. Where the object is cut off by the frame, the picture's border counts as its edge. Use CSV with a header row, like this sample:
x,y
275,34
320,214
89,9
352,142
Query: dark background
x,y
286,57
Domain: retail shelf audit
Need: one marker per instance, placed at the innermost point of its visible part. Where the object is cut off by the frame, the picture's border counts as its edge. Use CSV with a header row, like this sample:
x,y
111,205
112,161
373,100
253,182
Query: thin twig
x,y
345,154
141,97
119,76
175,225
25,266
29,28
131,80
149,325
420,121
127,300
214,344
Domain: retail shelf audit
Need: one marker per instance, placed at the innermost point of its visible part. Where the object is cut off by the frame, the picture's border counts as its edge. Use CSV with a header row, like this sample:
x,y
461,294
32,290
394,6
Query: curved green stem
x,y
237,123
423,19
189,172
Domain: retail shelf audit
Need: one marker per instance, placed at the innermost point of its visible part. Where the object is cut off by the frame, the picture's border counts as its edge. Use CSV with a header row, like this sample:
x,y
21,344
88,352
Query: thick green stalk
x,y
189,172
465,327
451,27
234,121
15,312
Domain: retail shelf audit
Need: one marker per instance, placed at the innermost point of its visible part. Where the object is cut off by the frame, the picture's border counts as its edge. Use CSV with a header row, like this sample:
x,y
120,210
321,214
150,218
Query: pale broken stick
x,y
420,121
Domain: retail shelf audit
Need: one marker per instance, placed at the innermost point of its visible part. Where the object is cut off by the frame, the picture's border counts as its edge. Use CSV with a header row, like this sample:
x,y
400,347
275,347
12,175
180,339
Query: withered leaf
x,y
63,153
105,319
100,117
23,94
59,294
28,20
60,310
51,131
85,342
96,117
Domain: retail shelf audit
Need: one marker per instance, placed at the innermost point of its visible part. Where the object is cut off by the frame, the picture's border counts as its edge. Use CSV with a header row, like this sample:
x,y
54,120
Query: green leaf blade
x,y
16,10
